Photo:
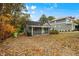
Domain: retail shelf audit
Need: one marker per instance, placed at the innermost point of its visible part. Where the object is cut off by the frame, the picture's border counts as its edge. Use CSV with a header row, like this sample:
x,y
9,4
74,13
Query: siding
x,y
64,24
63,27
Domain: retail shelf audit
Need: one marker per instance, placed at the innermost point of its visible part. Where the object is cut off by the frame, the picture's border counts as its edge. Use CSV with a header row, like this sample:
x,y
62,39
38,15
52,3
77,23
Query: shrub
x,y
29,34
6,30
5,27
65,30
15,34
53,32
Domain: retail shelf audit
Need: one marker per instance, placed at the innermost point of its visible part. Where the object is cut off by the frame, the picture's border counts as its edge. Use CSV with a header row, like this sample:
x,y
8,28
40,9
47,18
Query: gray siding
x,y
62,24
64,27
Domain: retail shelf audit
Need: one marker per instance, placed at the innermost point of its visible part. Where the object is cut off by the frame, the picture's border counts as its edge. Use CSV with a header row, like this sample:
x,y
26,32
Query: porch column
x,y
32,31
42,30
72,26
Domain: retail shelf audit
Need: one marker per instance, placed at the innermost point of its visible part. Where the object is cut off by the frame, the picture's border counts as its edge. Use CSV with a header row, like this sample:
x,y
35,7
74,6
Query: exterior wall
x,y
64,27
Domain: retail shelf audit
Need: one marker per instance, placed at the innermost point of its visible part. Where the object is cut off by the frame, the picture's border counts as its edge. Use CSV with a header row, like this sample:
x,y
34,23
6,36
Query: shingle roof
x,y
33,23
70,17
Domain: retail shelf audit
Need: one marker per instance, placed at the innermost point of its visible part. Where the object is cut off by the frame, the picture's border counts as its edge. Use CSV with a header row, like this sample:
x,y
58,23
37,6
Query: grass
x,y
63,44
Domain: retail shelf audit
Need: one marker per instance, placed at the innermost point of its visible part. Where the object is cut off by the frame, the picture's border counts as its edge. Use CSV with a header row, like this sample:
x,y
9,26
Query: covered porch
x,y
37,30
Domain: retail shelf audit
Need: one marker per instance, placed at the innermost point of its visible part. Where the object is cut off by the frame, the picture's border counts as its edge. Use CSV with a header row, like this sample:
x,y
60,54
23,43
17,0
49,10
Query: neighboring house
x,y
35,28
63,24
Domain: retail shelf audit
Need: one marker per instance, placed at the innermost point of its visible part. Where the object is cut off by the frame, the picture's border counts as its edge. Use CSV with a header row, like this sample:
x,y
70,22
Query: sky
x,y
57,10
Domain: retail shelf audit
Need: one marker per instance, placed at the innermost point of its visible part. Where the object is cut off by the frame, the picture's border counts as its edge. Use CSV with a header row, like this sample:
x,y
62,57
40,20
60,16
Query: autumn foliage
x,y
9,18
5,27
8,28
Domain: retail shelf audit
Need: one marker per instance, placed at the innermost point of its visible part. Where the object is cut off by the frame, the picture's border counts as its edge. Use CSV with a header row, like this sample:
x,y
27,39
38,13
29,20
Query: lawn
x,y
63,44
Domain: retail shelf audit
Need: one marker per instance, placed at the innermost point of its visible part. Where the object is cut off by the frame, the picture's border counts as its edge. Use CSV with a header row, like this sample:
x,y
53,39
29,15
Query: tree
x,y
9,17
5,27
11,8
51,18
43,19
22,21
14,9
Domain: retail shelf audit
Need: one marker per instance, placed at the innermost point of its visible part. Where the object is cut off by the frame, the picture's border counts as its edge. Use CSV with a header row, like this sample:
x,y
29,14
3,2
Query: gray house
x,y
35,28
63,24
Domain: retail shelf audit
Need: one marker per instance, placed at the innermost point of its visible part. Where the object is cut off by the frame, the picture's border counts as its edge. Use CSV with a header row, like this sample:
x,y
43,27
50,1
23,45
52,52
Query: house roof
x,y
69,17
33,23
59,19
36,24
